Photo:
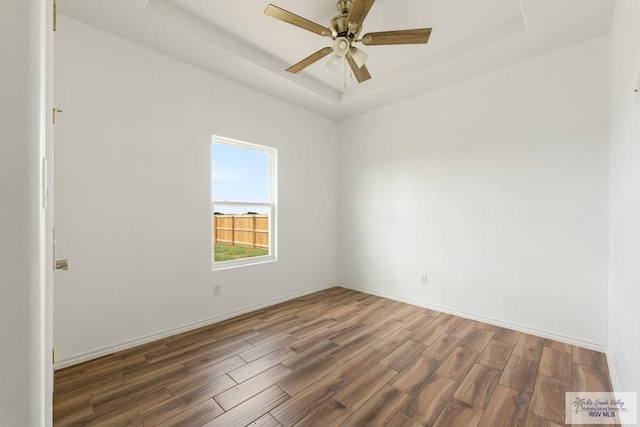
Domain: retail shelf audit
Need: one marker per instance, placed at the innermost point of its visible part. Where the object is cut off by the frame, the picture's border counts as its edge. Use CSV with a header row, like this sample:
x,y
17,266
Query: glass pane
x,y
240,232
239,174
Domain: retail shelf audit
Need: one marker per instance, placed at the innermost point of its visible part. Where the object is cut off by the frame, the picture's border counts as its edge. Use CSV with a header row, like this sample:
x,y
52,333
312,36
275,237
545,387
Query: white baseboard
x,y
94,354
485,319
615,383
613,372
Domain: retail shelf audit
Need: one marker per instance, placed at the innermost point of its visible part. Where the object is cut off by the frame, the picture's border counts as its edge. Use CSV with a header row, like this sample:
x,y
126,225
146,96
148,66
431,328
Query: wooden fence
x,y
242,230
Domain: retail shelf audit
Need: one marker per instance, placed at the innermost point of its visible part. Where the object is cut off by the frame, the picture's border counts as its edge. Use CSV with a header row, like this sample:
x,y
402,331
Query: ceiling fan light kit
x,y
344,29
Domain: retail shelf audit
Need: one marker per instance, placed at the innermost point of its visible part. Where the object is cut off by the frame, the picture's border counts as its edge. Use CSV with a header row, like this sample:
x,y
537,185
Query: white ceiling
x,y
236,40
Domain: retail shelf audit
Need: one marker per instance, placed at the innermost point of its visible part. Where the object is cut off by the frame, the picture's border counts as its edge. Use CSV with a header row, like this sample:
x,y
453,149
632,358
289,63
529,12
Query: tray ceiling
x,y
236,40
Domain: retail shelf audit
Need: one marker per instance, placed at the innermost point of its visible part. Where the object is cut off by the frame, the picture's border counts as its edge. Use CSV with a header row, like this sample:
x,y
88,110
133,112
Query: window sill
x,y
245,262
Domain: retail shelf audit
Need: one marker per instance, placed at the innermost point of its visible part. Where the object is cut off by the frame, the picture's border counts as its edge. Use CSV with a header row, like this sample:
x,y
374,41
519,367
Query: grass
x,y
223,252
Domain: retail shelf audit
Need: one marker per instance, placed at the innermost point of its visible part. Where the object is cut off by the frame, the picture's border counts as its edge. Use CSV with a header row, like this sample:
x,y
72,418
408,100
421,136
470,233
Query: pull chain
x,y
344,64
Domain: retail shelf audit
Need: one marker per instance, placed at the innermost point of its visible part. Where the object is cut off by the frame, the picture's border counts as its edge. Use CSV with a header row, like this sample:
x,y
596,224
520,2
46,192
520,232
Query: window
x,y
243,203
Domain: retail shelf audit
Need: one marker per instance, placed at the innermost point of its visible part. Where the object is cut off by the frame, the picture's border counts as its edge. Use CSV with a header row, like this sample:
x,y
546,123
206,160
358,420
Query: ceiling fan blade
x,y
310,60
359,11
362,73
298,21
417,36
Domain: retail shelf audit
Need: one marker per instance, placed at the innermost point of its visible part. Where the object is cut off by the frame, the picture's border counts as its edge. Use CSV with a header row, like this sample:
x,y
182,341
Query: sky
x,y
239,174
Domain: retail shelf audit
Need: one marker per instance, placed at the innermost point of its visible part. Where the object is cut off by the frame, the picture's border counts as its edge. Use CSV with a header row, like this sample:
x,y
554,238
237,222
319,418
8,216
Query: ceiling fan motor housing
x,y
339,25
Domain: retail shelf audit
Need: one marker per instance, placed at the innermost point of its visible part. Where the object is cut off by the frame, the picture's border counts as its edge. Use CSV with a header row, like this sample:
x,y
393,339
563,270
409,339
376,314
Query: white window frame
x,y
270,205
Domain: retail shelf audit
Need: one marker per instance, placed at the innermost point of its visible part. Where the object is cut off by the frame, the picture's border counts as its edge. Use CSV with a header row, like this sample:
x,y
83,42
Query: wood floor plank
x,y
392,342
210,374
239,328
153,370
212,354
266,420
496,355
307,357
430,400
268,347
110,370
534,420
308,400
411,378
420,321
355,331
311,326
301,378
380,409
351,349
127,413
180,353
330,413
406,313
251,409
334,357
195,416
529,347
244,391
428,335
458,413
476,340
557,364
506,408
477,387
386,328
548,398
442,347
304,344
586,379
107,400
359,391
458,364
590,358
506,336
401,420
360,364
275,325
455,325
72,412
557,345
254,368
403,355
88,389
175,405
187,340
520,374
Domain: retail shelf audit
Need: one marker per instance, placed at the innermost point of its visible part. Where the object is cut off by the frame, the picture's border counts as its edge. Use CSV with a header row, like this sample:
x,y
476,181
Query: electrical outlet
x,y
423,279
217,290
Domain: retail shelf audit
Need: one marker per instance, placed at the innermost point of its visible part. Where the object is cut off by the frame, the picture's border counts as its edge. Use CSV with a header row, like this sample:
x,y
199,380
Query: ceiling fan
x,y
344,29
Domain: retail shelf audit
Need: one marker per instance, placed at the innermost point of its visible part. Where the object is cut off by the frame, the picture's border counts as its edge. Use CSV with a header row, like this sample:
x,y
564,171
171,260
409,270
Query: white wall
x,y
496,188
625,195
133,193
23,366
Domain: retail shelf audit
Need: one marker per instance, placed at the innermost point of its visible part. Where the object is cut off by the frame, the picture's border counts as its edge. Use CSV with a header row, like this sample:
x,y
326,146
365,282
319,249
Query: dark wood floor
x,y
337,357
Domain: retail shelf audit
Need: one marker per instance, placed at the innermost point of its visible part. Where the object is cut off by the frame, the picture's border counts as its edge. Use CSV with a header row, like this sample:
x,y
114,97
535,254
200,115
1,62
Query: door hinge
x,y
53,356
55,15
45,183
55,112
